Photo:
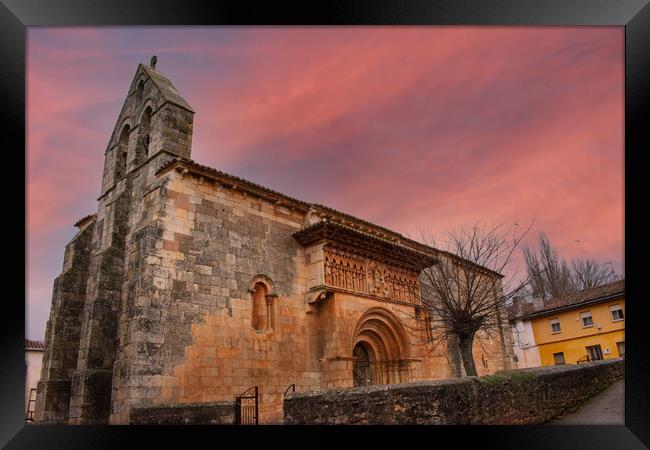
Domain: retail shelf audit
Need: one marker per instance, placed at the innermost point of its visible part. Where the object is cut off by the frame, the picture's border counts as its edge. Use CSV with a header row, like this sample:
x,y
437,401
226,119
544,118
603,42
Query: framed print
x,y
416,217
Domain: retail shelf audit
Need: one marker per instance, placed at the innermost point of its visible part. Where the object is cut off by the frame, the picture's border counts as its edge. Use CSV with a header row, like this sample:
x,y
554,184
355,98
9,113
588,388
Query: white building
x,y
524,344
523,339
33,361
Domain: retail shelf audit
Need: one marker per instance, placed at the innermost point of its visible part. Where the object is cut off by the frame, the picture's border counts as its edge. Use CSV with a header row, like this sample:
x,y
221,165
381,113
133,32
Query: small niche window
x,y
262,311
558,358
555,326
587,320
616,312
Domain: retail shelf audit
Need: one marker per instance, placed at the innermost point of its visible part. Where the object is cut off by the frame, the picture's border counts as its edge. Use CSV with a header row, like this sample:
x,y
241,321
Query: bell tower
x,y
83,337
154,119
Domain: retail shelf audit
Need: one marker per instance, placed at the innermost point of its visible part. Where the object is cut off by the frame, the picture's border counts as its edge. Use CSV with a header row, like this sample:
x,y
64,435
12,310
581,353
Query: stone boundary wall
x,y
218,413
516,397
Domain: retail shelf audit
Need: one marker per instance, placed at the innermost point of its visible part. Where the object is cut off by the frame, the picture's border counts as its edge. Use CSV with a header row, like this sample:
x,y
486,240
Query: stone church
x,y
190,285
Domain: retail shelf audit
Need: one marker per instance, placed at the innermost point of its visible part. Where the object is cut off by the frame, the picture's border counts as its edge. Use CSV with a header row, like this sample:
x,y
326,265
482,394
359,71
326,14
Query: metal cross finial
x,y
153,61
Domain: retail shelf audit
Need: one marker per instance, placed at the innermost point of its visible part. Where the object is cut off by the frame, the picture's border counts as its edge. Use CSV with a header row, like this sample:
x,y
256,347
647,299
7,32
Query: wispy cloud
x,y
410,127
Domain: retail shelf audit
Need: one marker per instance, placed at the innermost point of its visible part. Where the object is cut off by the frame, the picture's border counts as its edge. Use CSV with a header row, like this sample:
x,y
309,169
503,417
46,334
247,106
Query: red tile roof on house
x,y
34,345
591,295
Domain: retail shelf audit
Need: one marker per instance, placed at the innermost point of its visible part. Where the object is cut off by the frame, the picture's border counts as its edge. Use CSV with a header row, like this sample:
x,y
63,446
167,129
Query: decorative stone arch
x,y
266,281
381,336
127,121
263,294
147,103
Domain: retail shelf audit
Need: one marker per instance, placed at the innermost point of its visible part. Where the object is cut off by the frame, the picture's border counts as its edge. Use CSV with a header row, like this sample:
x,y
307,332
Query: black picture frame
x,y
634,15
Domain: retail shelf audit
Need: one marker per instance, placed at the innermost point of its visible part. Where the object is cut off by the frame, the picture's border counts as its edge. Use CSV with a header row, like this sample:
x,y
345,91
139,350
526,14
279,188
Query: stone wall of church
x,y
186,332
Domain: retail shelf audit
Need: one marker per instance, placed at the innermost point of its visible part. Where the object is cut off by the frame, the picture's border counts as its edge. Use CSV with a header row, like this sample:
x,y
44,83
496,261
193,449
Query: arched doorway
x,y
380,350
361,370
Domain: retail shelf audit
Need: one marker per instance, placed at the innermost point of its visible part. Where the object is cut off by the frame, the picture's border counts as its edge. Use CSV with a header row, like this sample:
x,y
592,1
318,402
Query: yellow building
x,y
585,326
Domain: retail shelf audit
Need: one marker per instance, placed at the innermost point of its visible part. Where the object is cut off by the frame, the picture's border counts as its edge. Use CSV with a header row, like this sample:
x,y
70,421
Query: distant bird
x,y
154,60
577,241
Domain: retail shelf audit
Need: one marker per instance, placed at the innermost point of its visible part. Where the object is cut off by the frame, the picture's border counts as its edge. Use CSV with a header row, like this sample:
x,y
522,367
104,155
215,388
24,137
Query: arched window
x,y
145,130
121,153
262,308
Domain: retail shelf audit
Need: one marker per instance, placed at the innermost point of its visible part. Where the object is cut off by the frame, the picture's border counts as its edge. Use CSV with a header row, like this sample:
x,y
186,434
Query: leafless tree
x,y
466,293
589,273
550,276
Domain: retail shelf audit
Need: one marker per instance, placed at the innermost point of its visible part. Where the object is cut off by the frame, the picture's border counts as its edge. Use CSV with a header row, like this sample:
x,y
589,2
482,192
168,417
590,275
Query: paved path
x,y
607,408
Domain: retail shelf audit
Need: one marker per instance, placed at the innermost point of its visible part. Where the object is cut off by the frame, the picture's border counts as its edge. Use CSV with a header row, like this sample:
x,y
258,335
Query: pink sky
x,y
412,128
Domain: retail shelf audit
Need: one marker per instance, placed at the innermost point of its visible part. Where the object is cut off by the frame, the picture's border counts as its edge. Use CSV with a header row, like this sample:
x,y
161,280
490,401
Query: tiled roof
x,y
34,345
232,178
577,298
84,219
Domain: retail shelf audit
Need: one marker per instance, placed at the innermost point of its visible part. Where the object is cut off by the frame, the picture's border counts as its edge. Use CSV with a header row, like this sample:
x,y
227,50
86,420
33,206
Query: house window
x,y
617,312
621,348
587,320
555,326
595,353
558,358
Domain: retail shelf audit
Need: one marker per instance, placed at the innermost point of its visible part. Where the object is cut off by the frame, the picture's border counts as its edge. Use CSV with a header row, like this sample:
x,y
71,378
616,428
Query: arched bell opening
x,y
121,153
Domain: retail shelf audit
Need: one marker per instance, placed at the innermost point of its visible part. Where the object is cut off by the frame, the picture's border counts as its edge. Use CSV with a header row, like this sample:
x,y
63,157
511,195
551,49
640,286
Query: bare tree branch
x,y
550,275
466,292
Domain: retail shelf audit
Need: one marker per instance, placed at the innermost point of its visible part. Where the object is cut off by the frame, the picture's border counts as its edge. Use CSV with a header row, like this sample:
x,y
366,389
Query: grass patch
x,y
514,377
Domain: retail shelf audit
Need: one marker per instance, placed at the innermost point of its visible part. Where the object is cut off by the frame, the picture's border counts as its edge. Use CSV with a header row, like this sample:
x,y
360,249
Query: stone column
x,y
269,312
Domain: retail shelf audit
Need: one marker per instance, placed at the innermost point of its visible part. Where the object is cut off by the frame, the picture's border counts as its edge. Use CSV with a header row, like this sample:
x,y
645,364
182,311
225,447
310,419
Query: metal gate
x,y
246,407
291,388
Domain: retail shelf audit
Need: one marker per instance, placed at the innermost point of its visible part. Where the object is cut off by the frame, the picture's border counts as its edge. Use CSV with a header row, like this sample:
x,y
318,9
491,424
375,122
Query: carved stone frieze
x,y
364,274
